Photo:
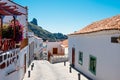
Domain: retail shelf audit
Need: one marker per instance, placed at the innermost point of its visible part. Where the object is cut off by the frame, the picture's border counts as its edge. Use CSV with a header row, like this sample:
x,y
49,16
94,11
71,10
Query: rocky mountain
x,y
34,21
44,34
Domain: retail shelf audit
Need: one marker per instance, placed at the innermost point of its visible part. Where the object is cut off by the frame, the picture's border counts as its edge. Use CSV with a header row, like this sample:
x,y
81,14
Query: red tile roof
x,y
112,23
65,43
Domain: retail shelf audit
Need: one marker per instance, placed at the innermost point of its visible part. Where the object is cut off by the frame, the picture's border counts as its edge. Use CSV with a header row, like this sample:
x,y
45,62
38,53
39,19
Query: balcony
x,y
9,57
6,44
24,43
11,36
10,27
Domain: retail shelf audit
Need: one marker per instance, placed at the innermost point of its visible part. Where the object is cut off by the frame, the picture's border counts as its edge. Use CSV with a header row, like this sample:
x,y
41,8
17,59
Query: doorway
x,y
55,50
25,63
73,57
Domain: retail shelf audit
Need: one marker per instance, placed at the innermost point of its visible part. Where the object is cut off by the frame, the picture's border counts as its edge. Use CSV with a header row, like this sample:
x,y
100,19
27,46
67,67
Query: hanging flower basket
x,y
13,32
7,32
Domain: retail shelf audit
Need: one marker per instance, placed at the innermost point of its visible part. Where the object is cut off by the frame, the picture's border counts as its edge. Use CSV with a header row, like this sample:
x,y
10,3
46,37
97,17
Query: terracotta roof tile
x,y
112,23
65,43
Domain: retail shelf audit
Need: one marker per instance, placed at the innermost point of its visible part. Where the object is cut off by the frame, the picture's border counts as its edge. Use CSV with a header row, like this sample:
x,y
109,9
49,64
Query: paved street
x,y
43,70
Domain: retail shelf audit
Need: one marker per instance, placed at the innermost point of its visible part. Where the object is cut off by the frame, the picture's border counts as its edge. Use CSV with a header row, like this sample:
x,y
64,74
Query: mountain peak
x,y
44,34
34,21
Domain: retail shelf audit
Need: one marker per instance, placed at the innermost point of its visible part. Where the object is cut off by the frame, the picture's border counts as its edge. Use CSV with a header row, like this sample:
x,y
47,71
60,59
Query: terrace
x,y
11,35
9,32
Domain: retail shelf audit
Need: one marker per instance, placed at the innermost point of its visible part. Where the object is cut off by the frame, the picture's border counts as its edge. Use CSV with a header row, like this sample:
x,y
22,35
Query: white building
x,y
13,53
44,54
54,48
64,46
38,47
94,51
57,51
31,46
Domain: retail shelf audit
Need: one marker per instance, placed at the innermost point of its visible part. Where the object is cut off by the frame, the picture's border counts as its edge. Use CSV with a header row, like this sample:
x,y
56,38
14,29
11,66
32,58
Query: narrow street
x,y
43,70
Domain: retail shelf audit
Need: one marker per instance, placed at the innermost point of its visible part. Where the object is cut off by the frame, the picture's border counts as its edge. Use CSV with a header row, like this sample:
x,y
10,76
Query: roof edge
x,y
93,32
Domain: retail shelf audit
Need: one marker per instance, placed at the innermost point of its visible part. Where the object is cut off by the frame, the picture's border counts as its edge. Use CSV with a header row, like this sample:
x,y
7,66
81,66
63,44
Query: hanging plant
x,y
18,28
7,32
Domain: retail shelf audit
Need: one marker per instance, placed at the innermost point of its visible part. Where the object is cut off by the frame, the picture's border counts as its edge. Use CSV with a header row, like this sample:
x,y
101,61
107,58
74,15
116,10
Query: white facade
x,y
15,65
99,45
44,54
51,45
9,66
16,60
38,47
23,63
31,46
64,49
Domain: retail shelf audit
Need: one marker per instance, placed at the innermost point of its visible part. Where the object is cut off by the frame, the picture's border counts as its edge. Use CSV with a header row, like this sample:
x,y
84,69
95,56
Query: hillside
x,y
44,34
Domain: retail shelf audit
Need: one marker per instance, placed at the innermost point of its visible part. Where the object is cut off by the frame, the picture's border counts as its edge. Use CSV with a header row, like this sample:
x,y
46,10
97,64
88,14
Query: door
x,y
25,63
55,50
73,57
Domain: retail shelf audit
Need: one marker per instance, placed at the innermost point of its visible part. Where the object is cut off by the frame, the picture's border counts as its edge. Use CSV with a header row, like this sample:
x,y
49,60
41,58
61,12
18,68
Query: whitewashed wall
x,y
66,50
30,37
31,46
21,61
19,74
38,46
4,72
100,46
51,45
18,66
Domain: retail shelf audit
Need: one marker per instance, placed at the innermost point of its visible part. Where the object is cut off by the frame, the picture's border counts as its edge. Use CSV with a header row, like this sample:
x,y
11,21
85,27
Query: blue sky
x,y
67,16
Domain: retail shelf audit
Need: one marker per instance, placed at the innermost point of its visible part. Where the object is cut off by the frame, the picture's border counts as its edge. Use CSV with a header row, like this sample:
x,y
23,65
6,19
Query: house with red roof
x,y
94,50
57,50
64,46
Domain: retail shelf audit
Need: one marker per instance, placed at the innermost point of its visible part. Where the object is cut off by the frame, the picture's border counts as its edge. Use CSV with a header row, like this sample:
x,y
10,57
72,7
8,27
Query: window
x,y
55,50
114,39
81,58
92,64
5,56
1,59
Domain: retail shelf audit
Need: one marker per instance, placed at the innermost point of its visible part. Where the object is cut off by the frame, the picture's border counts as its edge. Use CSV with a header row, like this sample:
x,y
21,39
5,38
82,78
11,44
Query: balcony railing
x,y
24,43
7,44
9,57
11,35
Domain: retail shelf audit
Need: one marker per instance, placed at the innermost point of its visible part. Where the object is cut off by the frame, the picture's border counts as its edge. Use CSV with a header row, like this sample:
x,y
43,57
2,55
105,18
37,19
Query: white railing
x,y
9,57
58,58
